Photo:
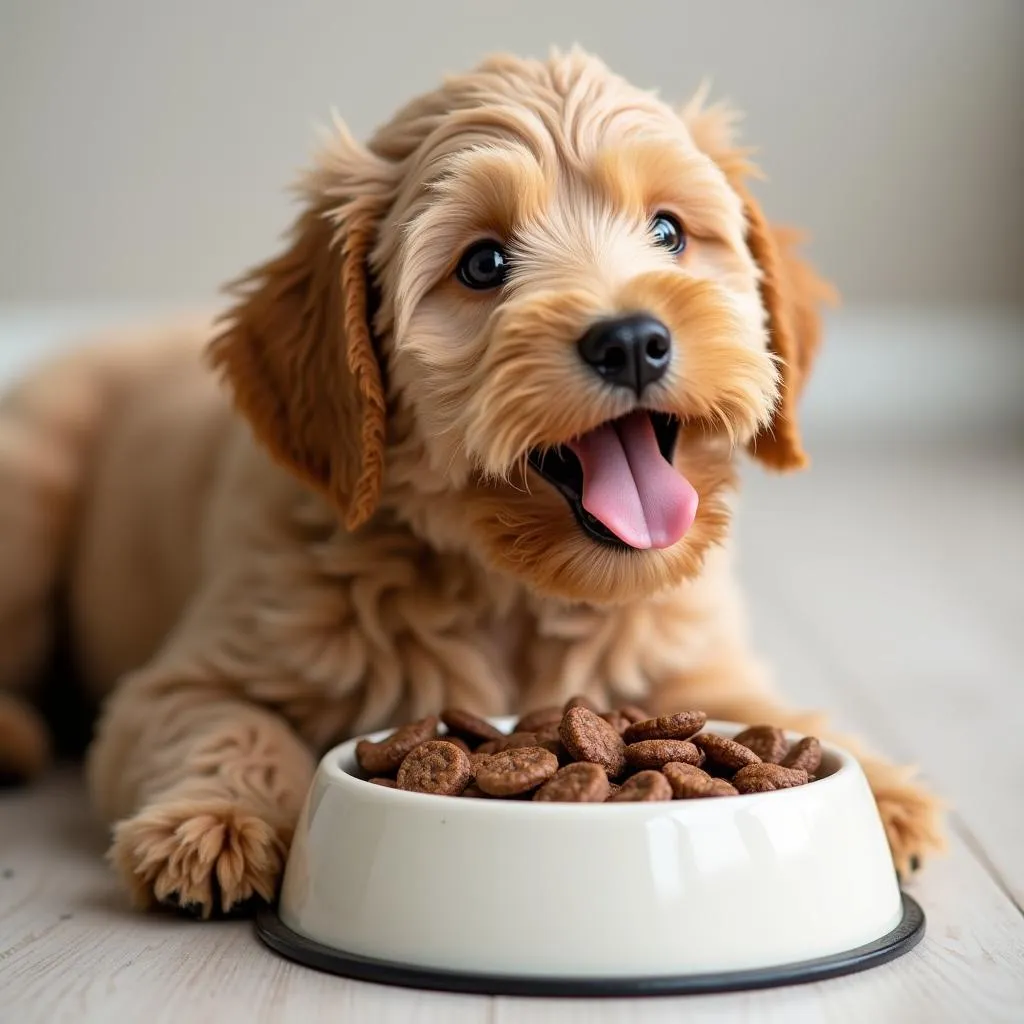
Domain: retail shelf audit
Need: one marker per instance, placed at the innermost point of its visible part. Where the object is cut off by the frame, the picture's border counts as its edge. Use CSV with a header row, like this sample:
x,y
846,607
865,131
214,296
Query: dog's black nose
x,y
629,351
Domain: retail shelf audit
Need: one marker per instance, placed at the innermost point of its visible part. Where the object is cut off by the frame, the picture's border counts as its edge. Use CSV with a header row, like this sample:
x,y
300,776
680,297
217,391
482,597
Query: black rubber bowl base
x,y
283,940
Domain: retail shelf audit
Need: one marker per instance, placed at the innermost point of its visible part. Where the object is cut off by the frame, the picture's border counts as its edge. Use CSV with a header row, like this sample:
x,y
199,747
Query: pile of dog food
x,y
575,754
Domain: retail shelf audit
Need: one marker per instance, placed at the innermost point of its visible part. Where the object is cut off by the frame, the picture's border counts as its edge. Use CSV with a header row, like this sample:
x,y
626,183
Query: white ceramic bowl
x,y
641,890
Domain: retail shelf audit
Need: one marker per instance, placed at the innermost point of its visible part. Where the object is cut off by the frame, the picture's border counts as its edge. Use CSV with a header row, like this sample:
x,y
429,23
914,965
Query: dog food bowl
x,y
515,897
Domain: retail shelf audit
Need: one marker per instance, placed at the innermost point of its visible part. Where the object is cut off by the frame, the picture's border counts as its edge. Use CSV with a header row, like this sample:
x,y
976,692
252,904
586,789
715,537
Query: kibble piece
x,y
579,701
436,766
617,720
613,788
476,759
516,771
805,754
764,778
725,752
384,757
489,746
549,739
580,782
643,786
517,739
667,727
634,714
459,742
690,783
549,731
768,742
386,783
722,787
557,748
472,728
474,790
533,721
687,780
655,753
588,737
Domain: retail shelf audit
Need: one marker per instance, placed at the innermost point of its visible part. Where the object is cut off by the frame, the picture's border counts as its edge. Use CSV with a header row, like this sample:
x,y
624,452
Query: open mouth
x,y
620,483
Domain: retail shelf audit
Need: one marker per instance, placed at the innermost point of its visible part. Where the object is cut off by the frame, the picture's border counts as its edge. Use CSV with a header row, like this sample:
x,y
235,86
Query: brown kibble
x,y
617,720
384,757
634,714
725,752
722,787
589,737
515,771
556,748
667,727
548,738
643,786
572,755
533,721
438,767
518,739
655,753
687,780
767,741
580,782
764,778
549,731
804,754
472,728
689,783
459,742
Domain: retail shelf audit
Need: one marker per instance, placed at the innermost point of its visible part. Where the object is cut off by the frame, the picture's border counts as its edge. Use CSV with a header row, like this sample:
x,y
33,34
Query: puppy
x,y
470,439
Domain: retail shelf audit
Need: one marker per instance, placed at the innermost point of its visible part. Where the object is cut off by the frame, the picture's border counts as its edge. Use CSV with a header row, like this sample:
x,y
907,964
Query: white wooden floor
x,y
887,588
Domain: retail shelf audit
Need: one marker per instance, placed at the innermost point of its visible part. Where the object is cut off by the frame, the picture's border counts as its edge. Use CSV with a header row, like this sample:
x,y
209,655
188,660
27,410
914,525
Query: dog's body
x,y
250,589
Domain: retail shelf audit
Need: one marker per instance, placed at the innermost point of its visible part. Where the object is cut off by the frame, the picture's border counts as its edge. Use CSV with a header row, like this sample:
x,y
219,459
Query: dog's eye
x,y
483,265
668,232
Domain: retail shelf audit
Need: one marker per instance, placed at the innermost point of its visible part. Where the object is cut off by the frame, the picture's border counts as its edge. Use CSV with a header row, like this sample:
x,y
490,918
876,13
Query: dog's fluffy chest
x,y
378,627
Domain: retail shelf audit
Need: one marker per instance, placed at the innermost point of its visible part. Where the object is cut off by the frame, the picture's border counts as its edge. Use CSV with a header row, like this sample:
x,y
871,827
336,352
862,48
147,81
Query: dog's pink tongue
x,y
630,486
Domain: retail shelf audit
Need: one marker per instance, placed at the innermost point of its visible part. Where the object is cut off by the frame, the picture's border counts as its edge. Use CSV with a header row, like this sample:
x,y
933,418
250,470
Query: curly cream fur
x,y
355,539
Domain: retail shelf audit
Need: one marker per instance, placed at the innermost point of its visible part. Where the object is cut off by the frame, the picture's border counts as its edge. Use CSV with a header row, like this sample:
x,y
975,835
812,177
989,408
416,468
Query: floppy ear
x,y
298,352
792,292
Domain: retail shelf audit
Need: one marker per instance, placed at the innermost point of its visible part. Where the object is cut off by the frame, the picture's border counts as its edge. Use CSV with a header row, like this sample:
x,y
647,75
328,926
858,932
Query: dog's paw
x,y
202,858
912,815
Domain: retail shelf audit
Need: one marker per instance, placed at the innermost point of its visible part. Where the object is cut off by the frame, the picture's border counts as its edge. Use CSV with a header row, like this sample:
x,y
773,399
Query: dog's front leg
x,y
732,686
204,789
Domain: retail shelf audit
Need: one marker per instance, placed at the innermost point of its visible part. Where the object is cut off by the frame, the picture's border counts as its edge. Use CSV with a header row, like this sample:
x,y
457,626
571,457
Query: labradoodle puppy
x,y
470,439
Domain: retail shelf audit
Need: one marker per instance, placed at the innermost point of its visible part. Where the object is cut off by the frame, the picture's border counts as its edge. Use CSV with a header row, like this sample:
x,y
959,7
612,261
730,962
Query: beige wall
x,y
144,146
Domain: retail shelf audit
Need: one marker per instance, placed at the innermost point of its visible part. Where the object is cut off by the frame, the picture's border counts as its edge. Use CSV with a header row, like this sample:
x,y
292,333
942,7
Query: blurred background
x,y
147,148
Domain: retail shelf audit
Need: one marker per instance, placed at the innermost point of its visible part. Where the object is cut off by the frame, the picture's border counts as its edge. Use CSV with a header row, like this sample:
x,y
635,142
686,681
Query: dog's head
x,y
579,311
